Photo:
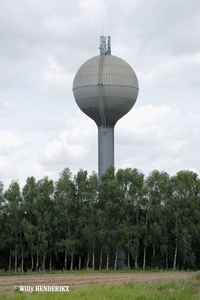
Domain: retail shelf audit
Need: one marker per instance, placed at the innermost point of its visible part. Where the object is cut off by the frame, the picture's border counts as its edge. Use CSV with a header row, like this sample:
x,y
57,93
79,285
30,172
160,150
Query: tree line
x,y
77,222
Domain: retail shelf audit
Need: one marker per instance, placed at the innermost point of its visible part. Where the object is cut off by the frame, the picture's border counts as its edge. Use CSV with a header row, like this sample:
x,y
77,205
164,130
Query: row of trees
x,y
77,222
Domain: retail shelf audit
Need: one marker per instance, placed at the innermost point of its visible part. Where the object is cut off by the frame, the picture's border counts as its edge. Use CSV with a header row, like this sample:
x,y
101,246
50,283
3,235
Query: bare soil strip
x,y
77,281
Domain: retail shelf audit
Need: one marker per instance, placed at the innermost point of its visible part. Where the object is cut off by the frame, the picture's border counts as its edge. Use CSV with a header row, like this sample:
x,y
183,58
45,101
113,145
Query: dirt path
x,y
75,281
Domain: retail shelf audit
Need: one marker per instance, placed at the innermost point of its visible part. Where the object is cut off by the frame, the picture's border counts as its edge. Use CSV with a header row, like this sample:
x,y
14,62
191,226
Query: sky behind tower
x,y
43,43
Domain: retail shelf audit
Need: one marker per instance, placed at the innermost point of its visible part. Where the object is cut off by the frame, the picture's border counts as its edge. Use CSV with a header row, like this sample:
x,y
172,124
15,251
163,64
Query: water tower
x,y
105,88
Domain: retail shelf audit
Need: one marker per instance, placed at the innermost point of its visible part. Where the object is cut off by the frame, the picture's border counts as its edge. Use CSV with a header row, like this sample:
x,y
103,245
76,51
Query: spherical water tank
x,y
111,79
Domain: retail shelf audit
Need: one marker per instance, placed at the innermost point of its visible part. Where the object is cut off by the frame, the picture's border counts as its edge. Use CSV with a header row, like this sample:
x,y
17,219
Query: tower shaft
x,y
105,149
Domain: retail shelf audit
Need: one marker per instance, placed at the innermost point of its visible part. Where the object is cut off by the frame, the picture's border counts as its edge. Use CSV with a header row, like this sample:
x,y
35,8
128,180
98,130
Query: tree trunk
x,y
93,260
166,260
22,254
144,259
136,261
153,256
115,265
79,263
100,260
128,260
22,263
72,262
50,264
65,264
15,258
32,263
10,260
88,260
107,261
175,257
37,263
43,262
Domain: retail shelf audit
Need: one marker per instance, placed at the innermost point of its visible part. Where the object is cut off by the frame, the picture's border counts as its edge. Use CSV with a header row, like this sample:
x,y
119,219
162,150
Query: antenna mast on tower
x,y
105,48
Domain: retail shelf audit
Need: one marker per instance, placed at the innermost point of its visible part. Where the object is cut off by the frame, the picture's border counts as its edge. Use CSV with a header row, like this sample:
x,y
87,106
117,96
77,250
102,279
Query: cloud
x,y
5,108
3,162
72,147
159,137
7,139
42,46
60,152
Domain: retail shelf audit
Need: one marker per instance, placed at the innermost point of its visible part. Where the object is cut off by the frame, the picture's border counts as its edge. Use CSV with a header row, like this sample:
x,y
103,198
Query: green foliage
x,y
79,223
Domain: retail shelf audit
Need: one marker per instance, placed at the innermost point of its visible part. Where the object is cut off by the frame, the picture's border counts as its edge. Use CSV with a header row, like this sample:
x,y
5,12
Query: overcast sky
x,y
42,45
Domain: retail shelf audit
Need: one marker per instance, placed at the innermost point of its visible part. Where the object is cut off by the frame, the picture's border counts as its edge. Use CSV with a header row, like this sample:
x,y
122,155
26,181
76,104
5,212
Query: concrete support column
x,y
105,149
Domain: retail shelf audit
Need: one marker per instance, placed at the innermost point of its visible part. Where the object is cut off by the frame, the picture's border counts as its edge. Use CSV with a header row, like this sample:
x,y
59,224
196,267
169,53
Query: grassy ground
x,y
175,290
83,271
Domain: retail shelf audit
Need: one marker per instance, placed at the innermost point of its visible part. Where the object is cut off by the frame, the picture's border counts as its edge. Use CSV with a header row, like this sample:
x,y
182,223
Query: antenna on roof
x,y
105,45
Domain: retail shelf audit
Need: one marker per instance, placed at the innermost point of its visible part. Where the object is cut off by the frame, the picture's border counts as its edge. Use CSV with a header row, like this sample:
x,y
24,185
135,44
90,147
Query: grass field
x,y
187,289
